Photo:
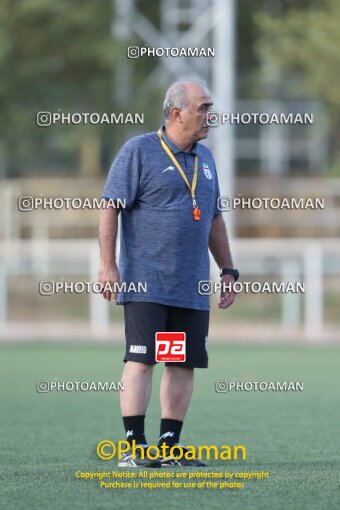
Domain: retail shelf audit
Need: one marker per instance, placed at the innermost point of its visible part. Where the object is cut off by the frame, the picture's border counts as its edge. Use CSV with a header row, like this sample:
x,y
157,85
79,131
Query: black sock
x,y
134,428
170,432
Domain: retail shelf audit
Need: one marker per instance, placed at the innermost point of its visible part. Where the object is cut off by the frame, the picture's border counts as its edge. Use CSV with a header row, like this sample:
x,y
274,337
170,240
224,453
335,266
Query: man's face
x,y
194,118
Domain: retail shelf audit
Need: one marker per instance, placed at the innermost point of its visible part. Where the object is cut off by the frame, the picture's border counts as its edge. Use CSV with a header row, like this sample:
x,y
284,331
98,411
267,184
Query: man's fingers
x,y
107,290
110,296
224,294
105,293
226,301
229,300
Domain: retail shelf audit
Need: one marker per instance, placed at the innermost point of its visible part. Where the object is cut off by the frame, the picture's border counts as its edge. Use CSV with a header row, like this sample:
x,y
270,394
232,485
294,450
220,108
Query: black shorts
x,y
143,320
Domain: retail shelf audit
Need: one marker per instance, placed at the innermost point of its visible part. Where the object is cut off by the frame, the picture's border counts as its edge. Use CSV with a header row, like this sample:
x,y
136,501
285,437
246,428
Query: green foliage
x,y
63,55
304,45
299,51
53,55
55,51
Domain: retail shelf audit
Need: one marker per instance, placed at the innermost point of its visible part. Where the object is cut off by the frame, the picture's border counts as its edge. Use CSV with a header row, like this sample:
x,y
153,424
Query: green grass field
x,y
46,438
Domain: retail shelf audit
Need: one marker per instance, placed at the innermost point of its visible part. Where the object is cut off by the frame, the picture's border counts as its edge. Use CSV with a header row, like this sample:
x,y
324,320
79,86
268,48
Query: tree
x,y
53,54
303,43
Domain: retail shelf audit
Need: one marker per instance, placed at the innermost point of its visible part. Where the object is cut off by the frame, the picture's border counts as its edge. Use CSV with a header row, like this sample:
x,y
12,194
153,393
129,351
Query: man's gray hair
x,y
177,95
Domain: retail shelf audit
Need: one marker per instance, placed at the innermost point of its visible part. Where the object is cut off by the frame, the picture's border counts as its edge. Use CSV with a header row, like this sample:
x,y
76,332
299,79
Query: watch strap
x,y
233,272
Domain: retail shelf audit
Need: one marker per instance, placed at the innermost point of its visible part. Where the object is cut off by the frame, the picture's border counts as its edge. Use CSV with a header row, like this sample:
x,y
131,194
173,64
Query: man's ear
x,y
176,114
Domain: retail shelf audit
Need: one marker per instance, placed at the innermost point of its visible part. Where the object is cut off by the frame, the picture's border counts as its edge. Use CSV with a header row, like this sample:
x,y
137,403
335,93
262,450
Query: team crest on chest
x,y
206,171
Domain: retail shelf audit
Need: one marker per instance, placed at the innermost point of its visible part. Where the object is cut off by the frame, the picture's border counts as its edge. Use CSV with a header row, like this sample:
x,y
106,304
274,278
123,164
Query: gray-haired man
x,y
170,187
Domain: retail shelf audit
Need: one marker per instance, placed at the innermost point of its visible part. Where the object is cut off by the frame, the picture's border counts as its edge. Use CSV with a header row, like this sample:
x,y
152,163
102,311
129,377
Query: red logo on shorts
x,y
170,346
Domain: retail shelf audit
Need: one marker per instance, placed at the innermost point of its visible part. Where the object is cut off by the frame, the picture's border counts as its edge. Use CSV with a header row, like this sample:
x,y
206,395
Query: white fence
x,y
289,260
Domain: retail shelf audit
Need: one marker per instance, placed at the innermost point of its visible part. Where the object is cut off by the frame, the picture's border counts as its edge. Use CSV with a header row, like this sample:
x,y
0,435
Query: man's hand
x,y
227,296
108,276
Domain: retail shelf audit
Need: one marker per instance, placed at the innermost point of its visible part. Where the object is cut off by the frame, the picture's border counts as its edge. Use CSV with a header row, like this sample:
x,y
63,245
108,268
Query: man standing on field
x,y
169,184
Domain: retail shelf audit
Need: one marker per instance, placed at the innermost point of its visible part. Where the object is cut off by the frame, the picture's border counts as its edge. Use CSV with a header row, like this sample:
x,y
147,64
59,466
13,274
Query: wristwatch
x,y
233,272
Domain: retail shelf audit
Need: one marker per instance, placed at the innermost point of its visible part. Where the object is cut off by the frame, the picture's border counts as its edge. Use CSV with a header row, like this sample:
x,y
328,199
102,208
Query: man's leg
x,y
177,380
134,400
137,379
176,391
142,321
175,395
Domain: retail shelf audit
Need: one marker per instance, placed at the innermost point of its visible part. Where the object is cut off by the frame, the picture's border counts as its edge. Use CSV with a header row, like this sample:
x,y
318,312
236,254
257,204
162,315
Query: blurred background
x,y
270,56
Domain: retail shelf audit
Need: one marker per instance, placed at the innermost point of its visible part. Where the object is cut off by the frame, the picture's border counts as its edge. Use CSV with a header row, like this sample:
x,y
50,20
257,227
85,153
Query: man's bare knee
x,y
135,366
179,370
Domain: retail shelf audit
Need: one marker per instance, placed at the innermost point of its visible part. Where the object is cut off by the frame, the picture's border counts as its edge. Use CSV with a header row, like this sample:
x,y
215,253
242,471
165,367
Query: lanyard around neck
x,y
180,169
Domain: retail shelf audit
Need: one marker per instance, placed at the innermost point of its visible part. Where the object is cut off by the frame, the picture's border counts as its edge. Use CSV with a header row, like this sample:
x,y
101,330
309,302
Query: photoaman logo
x,y
107,450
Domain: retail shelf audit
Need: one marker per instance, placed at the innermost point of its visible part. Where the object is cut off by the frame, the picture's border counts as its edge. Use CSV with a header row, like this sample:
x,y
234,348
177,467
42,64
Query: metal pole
x,y
291,303
98,308
314,291
223,89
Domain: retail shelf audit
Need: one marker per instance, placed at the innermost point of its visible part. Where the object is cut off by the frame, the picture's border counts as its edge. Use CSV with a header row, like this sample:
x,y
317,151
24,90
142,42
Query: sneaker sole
x,y
127,464
192,465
